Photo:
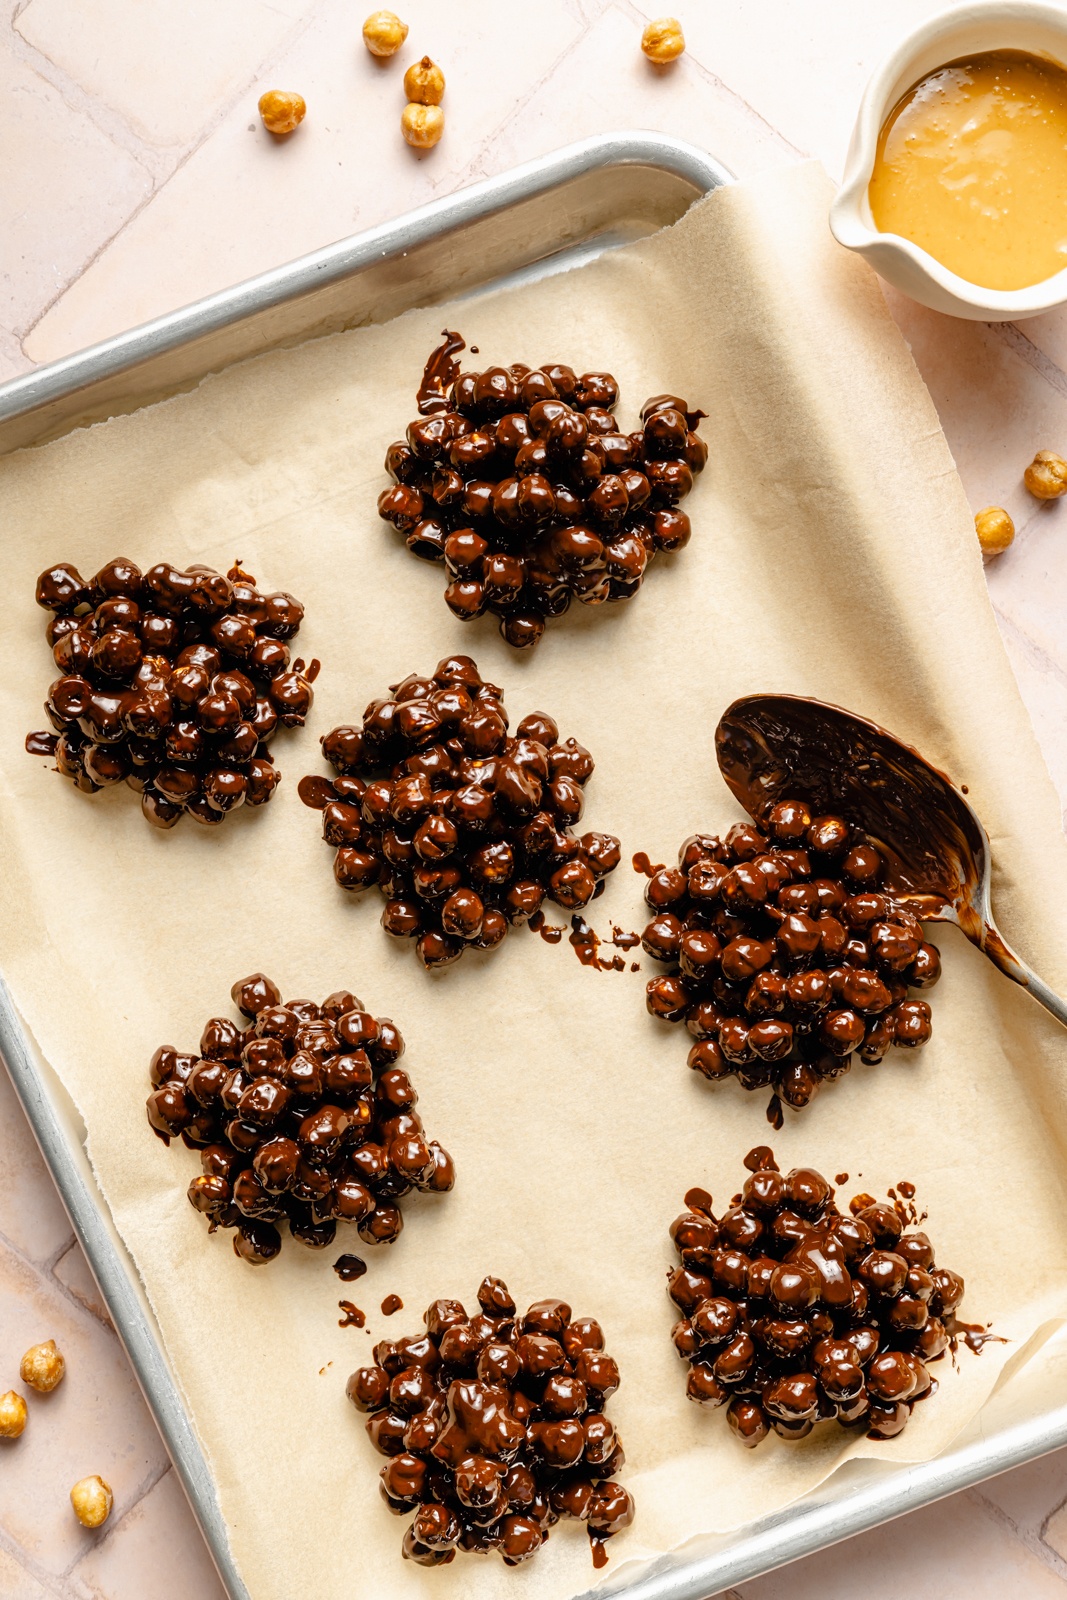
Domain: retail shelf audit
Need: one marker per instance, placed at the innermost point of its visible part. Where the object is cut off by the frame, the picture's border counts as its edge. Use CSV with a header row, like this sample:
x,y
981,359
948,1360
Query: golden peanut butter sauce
x,y
972,166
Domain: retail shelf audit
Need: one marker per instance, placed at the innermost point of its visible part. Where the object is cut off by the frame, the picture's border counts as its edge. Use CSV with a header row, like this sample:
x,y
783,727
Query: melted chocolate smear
x,y
622,940
314,668
349,1267
903,1198
774,1113
353,1316
548,930
392,1304
760,1159
316,792
974,1335
586,945
641,863
600,1554
698,1200
842,1177
237,573
770,746
41,744
439,374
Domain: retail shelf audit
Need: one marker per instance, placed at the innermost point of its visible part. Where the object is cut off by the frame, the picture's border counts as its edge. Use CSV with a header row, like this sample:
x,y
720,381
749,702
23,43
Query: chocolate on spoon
x,y
936,850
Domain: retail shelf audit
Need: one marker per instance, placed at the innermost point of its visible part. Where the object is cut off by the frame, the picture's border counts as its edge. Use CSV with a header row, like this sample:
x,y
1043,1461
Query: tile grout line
x,y
41,1268
100,1316
80,101
112,1528
1034,1543
1020,343
476,167
713,78
45,1277
1043,1530
1037,656
54,1585
104,118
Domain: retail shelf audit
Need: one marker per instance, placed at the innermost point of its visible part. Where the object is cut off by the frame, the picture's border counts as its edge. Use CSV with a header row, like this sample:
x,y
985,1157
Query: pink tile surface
x,y
136,177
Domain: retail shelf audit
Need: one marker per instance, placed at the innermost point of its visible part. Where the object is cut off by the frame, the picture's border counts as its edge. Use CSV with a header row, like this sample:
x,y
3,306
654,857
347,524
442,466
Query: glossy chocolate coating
x,y
494,1428
789,953
301,1116
931,846
816,1316
465,829
172,681
520,481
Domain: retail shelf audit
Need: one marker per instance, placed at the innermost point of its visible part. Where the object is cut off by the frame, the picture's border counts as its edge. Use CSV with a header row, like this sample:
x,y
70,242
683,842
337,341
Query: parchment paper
x,y
833,554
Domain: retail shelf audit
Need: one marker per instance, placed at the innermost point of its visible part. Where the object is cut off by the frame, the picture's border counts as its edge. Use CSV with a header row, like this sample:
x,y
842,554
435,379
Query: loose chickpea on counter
x,y
422,126
43,1366
424,83
1046,476
995,530
663,40
281,110
384,33
12,1415
92,1500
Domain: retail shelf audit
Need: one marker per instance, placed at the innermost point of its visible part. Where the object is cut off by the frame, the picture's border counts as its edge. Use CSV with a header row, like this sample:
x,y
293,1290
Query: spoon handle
x,y
1014,967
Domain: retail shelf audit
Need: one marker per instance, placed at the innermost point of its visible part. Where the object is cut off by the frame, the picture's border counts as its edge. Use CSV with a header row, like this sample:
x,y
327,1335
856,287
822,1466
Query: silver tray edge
x,y
111,357
799,1530
124,1306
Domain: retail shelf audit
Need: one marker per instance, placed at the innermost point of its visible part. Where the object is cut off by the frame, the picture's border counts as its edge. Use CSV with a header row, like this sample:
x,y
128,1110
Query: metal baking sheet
x,y
540,218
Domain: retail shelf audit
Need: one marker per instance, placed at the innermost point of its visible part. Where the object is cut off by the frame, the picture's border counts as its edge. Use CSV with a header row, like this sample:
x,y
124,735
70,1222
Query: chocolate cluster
x,y
172,681
793,1313
301,1116
788,955
532,496
494,1428
464,829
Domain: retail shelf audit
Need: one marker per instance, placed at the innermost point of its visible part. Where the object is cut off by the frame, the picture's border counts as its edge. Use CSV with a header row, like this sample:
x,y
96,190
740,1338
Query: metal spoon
x,y
771,746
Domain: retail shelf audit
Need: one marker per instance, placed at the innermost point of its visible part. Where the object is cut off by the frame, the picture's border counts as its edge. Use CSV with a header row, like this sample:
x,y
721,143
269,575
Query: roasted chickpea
x,y
92,1501
995,530
1046,476
422,126
43,1366
384,33
424,83
663,40
281,110
12,1415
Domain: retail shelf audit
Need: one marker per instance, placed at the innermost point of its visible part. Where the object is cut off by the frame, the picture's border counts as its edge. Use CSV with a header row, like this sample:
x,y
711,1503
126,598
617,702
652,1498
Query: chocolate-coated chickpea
x,y
160,691
778,1325
811,970
467,831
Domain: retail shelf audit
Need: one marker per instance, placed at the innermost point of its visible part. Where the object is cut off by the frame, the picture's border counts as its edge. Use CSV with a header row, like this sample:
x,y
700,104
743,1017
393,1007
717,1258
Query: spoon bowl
x,y
774,746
